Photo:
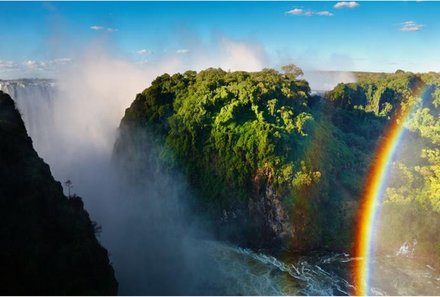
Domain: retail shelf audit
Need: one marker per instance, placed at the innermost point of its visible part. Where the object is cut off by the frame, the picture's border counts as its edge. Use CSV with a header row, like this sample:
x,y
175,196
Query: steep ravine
x,y
48,244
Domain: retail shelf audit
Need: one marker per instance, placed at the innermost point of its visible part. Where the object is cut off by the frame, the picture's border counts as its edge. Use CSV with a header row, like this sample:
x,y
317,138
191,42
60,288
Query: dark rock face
x,y
47,243
267,212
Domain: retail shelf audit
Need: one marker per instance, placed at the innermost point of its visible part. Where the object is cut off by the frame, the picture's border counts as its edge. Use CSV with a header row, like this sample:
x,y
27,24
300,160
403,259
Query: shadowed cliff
x,y
48,244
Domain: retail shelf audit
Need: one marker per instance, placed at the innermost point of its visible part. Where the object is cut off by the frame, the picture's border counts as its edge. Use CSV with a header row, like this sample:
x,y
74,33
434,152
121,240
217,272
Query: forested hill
x,y
272,165
47,243
411,207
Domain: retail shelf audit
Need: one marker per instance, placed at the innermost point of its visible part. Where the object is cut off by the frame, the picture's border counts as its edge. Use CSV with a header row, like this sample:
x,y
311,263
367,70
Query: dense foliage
x,y
47,244
410,210
260,150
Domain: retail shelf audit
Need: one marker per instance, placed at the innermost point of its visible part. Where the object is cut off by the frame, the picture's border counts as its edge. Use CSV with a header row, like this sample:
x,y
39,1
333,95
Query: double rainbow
x,y
374,189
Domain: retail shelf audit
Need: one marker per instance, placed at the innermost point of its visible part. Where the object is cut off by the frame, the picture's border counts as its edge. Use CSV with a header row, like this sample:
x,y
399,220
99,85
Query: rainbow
x,y
371,199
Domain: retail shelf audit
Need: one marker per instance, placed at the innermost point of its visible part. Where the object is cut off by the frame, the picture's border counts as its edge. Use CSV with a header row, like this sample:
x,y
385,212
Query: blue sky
x,y
37,38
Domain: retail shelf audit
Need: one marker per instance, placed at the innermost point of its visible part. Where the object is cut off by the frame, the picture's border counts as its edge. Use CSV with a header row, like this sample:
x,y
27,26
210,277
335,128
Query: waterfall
x,y
35,101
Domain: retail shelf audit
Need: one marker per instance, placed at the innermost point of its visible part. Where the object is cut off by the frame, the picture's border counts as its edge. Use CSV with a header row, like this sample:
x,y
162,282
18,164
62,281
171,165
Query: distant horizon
x,y
305,70
318,80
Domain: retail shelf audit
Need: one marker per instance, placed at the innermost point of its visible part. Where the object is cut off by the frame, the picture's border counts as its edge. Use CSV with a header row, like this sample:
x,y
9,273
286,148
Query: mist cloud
x,y
146,228
95,87
327,80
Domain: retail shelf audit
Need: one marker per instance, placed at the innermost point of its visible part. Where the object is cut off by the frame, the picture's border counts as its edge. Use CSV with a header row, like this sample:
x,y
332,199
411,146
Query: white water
x,y
35,100
153,252
407,249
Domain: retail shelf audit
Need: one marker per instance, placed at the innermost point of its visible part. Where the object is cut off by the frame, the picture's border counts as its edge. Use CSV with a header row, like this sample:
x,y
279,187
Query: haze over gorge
x,y
219,148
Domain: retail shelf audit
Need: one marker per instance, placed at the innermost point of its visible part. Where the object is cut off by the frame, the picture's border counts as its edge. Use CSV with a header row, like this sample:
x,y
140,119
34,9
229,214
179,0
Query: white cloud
x,y
97,28
346,4
144,52
411,26
61,60
45,64
324,13
296,11
101,28
8,66
182,51
300,11
31,67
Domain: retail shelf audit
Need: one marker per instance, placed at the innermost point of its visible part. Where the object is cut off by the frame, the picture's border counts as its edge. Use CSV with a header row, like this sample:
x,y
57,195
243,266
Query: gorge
x,y
221,180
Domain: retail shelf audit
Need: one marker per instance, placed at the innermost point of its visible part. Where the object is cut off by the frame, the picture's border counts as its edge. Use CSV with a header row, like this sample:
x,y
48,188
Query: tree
x,y
69,185
292,69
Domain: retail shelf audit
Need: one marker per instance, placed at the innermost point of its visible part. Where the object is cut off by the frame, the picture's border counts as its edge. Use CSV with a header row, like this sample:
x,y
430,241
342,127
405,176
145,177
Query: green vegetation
x,y
281,167
47,244
410,208
261,152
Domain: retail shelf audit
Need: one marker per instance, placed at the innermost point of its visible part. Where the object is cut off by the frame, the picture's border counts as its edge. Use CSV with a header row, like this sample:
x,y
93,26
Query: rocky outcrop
x,y
266,210
47,244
